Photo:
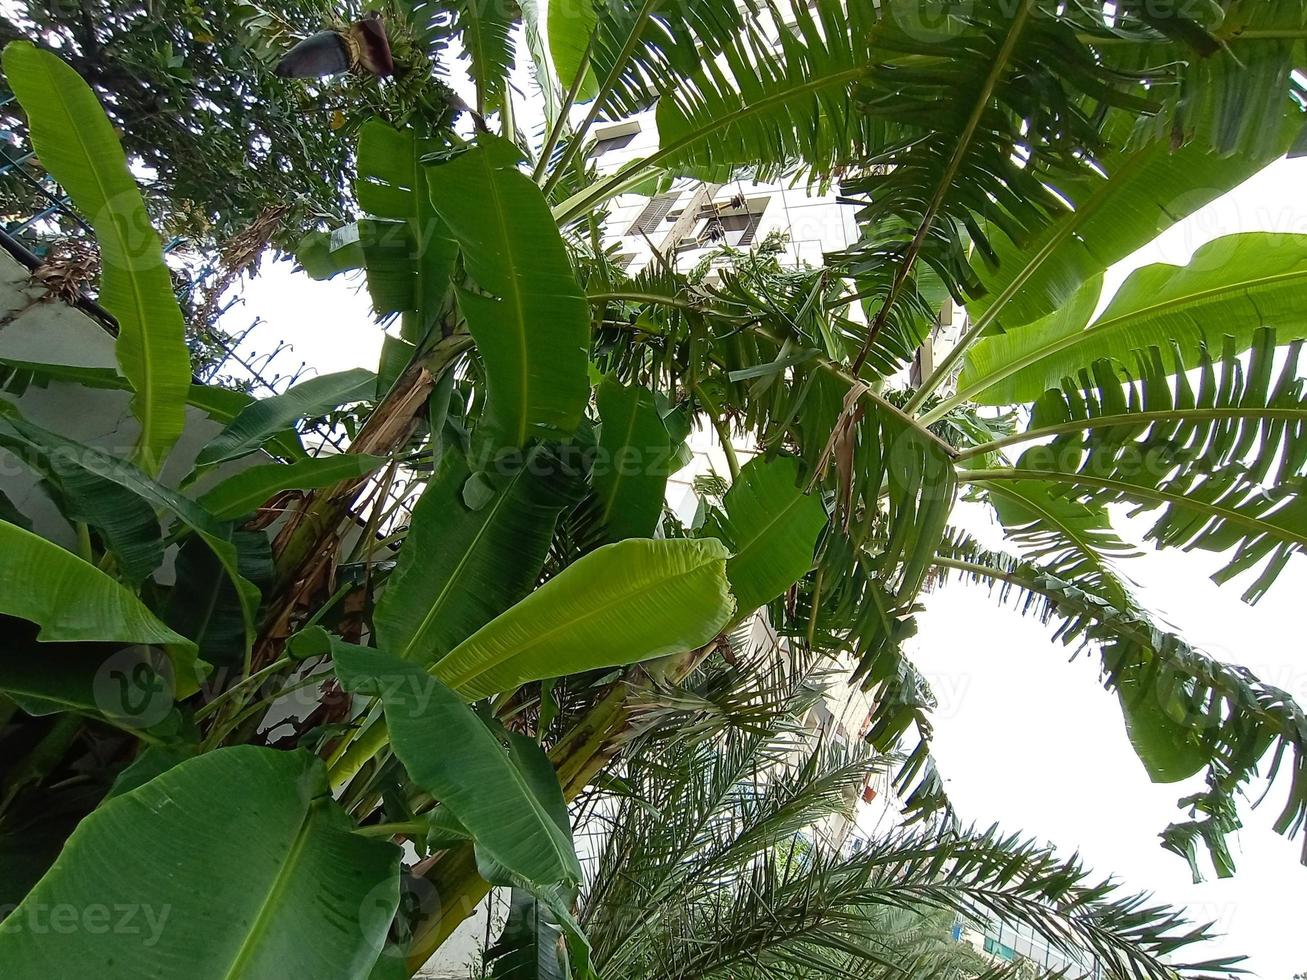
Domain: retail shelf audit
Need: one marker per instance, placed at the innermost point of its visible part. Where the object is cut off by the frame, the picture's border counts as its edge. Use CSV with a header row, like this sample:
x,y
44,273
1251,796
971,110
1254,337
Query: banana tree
x,y
474,665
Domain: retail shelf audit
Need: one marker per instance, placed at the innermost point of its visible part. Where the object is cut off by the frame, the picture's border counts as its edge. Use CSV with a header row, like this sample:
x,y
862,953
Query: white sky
x,y
1023,737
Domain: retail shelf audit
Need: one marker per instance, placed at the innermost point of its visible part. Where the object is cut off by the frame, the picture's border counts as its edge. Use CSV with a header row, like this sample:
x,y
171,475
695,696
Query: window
x,y
655,213
994,948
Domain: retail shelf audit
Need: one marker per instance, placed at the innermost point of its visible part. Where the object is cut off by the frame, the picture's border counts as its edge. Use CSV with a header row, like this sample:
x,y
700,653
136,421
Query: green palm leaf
x,y
620,604
715,864
1073,540
77,144
1139,193
1232,287
1224,462
461,567
527,314
487,27
1184,711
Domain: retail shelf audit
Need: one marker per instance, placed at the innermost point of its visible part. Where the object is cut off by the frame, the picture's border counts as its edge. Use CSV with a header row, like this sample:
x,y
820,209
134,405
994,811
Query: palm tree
x,y
719,854
1004,155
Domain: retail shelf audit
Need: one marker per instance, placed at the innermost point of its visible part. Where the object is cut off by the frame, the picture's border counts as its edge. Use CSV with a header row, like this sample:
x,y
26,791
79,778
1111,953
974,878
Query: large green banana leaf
x,y
1071,539
1144,191
70,599
260,421
235,864
408,265
570,26
1232,287
78,146
987,359
452,754
73,601
125,523
218,536
620,604
405,249
243,492
771,525
1220,462
631,467
460,568
128,687
527,313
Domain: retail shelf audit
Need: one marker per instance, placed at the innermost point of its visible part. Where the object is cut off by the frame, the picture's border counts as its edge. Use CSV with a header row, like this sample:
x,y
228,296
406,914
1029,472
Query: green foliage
x,y
632,463
725,859
492,554
70,599
481,785
77,144
259,422
244,492
1232,287
296,905
1184,711
620,604
525,311
1139,192
405,247
1217,461
192,91
475,543
771,527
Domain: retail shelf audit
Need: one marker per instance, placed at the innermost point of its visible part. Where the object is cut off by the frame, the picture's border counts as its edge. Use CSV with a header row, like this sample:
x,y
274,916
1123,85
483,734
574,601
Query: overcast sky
x,y
1023,736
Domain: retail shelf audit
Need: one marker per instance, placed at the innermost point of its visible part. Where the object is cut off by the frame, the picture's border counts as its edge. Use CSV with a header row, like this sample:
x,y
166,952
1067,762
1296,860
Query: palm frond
x,y
485,32
1219,714
718,862
1228,74
957,166
1225,463
1074,541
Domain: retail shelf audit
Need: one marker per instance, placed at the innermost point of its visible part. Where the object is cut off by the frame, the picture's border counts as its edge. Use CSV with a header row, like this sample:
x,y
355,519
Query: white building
x,y
693,218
